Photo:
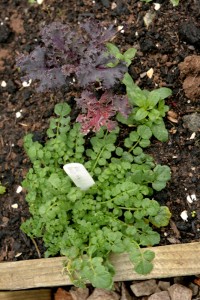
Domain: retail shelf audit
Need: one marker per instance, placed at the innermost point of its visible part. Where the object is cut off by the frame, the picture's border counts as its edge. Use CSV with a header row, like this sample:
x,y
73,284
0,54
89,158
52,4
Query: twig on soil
x,y
36,247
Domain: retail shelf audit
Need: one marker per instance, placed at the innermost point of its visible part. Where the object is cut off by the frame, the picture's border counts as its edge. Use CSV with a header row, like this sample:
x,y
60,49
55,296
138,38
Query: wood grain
x,y
170,261
39,294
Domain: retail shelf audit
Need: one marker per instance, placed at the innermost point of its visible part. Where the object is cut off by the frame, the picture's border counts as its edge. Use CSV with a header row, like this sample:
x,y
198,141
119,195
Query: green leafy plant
x,y
148,108
112,216
126,57
2,189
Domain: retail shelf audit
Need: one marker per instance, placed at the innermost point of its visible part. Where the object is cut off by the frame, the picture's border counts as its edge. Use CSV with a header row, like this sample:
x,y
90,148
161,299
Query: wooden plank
x,y
39,294
170,260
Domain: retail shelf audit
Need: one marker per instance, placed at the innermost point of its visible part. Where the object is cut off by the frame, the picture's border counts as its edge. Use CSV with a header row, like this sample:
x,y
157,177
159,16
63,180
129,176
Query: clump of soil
x,y
190,70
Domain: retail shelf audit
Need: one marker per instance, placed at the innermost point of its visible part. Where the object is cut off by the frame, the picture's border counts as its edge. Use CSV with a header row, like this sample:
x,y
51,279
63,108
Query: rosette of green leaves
x,y
148,108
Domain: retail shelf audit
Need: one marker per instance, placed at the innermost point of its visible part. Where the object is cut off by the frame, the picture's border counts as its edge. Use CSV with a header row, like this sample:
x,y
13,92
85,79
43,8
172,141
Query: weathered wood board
x,y
170,261
39,294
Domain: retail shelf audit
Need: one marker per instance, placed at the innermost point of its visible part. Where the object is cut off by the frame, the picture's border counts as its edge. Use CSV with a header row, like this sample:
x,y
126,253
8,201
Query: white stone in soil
x,y
3,83
18,114
26,83
19,189
157,6
184,215
15,205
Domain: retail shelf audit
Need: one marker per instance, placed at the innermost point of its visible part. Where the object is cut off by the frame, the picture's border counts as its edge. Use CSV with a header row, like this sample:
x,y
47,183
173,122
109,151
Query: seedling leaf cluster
x,y
2,189
115,215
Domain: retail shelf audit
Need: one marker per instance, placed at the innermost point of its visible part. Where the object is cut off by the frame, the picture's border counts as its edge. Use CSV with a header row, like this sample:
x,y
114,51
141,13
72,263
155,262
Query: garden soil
x,y
172,36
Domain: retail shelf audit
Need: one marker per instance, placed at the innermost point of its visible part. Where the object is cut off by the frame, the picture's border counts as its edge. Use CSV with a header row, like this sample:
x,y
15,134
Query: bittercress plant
x,y
113,216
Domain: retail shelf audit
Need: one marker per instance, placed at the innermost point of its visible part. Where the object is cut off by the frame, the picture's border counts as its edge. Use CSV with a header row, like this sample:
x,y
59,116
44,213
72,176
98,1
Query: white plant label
x,y
79,175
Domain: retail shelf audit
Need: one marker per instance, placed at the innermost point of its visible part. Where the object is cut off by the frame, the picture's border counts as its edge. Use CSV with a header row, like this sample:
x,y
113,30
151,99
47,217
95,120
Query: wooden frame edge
x,y
170,261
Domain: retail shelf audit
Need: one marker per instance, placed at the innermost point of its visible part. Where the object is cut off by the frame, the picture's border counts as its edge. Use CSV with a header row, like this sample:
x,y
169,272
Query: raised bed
x,y
170,261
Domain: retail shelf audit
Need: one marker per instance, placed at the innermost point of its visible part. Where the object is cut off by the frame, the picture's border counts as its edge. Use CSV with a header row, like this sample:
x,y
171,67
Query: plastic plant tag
x,y
79,175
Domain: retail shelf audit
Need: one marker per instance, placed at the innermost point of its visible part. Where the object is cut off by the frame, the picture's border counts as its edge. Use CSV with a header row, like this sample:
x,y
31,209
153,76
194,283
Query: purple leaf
x,y
35,66
122,105
94,69
68,52
98,33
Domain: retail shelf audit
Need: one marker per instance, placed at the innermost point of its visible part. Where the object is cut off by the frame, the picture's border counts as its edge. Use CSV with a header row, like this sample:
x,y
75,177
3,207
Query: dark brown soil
x,y
173,35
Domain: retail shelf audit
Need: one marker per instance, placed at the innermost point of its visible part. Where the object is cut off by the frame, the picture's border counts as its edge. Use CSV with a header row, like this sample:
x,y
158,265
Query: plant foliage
x,y
148,108
2,189
82,53
87,55
113,216
98,112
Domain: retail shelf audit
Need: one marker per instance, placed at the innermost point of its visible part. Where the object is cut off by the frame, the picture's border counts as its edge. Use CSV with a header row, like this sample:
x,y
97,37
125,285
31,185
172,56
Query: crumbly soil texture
x,y
172,36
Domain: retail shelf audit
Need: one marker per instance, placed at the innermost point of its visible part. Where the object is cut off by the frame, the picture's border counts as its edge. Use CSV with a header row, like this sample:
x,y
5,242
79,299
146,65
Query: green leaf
x,y
162,218
128,143
62,109
141,114
144,131
144,143
2,189
175,2
128,215
130,53
137,151
128,81
113,49
119,151
149,238
158,185
133,136
148,255
153,208
54,180
154,115
143,267
160,132
163,173
102,279
102,161
137,96
164,92
153,98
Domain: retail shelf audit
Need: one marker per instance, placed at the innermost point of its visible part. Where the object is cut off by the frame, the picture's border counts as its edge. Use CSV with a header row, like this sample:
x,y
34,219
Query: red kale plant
x,y
68,53
98,112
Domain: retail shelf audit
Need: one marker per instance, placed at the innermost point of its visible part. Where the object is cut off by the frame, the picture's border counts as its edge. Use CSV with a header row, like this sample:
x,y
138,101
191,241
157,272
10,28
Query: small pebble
x,y
25,83
193,136
3,83
18,114
19,189
157,6
15,205
184,215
